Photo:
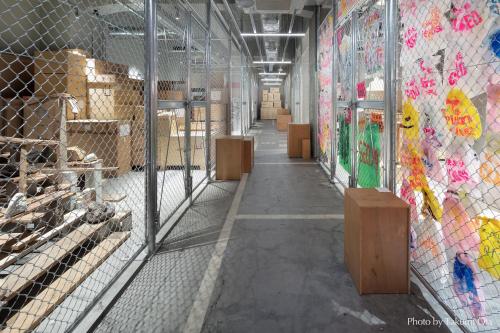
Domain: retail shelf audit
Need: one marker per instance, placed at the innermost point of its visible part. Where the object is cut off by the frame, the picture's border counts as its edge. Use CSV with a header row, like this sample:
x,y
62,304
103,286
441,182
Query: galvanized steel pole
x,y
333,123
390,93
150,115
353,181
188,183
208,119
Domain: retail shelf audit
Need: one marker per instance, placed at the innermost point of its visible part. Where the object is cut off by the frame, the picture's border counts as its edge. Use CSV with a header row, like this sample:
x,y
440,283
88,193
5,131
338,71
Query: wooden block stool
x,y
229,157
248,153
376,241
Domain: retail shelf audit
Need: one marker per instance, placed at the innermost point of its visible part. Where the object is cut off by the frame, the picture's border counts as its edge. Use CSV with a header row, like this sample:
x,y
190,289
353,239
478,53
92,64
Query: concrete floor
x,y
282,269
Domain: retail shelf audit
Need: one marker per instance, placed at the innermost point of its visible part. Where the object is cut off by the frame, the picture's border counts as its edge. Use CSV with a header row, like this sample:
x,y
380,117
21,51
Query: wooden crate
x,y
248,154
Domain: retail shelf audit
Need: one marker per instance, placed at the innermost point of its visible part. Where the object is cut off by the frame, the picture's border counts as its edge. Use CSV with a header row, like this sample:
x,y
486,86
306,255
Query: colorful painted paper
x,y
461,115
489,250
325,85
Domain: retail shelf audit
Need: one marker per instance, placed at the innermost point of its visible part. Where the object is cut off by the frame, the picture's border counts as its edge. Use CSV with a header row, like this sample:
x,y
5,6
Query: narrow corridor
x,y
276,266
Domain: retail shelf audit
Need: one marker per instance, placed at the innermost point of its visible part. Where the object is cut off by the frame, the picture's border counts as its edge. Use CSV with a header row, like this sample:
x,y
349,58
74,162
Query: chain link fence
x,y
448,140
72,143
72,106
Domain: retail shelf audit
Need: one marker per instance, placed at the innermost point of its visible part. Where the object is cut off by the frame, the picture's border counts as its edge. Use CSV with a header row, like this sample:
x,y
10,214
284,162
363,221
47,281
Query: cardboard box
x,y
11,117
229,157
282,121
53,84
306,149
42,118
217,113
174,146
265,97
101,97
218,95
276,97
267,113
376,240
267,104
274,90
108,139
16,76
172,95
68,61
277,104
297,133
96,67
282,111
248,154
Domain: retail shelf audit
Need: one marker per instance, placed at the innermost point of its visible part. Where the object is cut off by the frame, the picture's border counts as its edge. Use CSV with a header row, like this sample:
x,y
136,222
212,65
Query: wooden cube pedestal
x,y
229,157
297,133
248,152
282,121
376,240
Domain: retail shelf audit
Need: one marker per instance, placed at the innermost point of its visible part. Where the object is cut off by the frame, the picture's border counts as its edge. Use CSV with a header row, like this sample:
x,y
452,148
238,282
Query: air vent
x,y
273,5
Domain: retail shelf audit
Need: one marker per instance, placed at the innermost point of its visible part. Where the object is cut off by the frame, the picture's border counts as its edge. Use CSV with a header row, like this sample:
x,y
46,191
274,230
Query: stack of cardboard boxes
x,y
271,102
98,123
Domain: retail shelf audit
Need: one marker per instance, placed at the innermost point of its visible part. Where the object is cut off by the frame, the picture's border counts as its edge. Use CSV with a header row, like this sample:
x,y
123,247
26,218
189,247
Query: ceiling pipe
x,y
256,38
230,13
289,31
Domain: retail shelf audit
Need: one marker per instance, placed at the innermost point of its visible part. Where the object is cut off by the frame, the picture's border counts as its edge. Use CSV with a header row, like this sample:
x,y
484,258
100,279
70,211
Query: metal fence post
x,y
208,98
188,181
390,94
333,123
150,110
229,128
353,179
242,80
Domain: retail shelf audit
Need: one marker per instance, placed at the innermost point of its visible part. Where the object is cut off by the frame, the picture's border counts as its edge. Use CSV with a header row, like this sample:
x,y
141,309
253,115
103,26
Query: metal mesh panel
x,y
219,83
235,90
72,215
369,86
171,122
198,86
325,62
448,144
344,60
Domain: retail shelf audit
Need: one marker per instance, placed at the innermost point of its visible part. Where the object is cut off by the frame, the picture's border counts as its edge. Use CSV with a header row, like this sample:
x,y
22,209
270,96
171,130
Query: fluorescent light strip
x,y
272,84
272,79
266,73
260,34
273,62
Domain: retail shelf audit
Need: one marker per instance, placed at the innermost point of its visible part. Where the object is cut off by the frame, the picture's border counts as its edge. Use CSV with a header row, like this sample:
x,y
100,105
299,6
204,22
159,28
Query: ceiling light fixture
x,y
273,62
272,84
272,34
269,73
271,79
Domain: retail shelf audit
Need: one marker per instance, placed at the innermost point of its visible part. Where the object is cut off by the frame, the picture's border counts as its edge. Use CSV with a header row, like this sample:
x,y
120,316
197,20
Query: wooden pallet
x,y
31,314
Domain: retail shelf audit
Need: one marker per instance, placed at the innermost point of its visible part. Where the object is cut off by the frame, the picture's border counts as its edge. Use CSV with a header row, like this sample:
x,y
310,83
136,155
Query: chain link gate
x,y
448,145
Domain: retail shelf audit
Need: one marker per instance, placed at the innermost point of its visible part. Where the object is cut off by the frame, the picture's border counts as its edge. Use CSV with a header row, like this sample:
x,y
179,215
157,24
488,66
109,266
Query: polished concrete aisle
x,y
283,268
262,255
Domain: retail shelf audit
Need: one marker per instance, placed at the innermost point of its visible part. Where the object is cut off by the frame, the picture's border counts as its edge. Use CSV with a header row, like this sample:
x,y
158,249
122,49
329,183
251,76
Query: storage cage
x,y
109,114
408,99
